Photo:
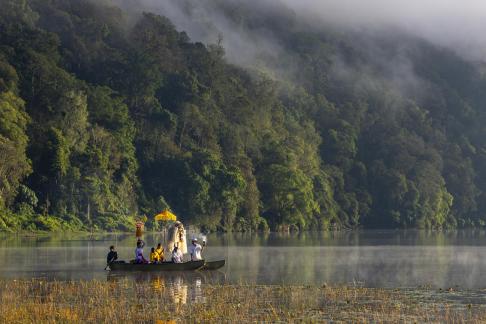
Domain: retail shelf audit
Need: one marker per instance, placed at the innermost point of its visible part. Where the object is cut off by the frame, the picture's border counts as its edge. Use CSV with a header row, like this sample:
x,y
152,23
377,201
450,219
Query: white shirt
x,y
177,256
195,252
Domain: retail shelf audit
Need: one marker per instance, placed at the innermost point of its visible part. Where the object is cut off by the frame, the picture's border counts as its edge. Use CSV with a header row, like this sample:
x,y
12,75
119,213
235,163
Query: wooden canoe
x,y
213,265
164,266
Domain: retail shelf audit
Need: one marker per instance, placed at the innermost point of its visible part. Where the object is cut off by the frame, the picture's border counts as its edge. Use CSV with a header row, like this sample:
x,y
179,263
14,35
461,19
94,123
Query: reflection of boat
x,y
164,266
213,265
174,287
168,278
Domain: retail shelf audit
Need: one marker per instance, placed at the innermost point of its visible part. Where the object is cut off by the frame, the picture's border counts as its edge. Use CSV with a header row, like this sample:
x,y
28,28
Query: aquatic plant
x,y
123,301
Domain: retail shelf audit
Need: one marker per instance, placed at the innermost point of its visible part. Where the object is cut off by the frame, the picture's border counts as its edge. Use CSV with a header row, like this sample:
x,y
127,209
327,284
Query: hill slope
x,y
103,119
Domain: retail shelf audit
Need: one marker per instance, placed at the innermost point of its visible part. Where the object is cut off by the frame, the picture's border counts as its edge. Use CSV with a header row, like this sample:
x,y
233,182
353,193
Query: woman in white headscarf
x,y
177,237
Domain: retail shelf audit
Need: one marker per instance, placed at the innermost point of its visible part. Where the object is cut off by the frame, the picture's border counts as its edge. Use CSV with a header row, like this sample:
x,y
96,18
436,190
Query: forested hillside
x,y
107,115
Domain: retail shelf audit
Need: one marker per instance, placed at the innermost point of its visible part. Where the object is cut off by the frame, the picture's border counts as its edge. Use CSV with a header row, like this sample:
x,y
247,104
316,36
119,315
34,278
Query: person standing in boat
x,y
177,237
195,250
139,252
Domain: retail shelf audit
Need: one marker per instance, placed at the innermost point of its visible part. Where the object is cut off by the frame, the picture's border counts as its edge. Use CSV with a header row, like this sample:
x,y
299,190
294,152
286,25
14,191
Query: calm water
x,y
369,258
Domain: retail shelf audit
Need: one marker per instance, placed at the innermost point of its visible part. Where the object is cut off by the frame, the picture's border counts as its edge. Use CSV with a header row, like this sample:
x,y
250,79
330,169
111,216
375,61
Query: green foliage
x,y
59,152
14,164
288,196
17,13
101,120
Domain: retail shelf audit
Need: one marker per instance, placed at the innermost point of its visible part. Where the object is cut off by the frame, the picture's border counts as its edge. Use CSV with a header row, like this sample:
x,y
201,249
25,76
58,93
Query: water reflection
x,y
370,258
181,287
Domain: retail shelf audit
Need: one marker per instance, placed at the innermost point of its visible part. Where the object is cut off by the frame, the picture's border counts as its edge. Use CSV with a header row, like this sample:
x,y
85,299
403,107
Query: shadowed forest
x,y
108,114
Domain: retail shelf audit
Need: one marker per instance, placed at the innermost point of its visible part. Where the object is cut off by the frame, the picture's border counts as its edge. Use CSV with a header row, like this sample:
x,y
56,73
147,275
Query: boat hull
x,y
164,266
213,265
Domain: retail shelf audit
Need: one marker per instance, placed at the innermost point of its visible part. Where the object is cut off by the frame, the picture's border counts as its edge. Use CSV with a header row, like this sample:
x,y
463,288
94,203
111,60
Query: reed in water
x,y
128,301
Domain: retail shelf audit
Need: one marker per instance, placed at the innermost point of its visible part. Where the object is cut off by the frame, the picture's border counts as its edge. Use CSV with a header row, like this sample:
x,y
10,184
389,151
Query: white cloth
x,y
177,256
195,251
177,237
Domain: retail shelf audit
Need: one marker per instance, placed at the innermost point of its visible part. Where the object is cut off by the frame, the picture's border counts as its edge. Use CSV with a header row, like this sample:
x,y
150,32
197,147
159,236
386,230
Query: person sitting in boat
x,y
160,252
154,257
177,255
139,252
112,255
195,250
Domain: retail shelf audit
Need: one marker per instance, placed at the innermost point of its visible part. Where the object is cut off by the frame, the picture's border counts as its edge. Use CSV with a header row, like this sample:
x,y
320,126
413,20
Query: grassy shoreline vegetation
x,y
127,301
107,114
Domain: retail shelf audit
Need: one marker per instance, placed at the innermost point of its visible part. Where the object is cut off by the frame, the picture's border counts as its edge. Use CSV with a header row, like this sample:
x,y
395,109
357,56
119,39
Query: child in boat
x,y
160,252
176,255
154,257
139,252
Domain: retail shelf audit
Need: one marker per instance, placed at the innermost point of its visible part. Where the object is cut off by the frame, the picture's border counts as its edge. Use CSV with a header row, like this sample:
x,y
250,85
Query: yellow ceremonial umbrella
x,y
166,215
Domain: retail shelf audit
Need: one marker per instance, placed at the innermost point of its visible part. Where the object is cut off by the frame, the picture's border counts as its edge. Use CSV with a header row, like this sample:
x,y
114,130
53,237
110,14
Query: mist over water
x,y
367,258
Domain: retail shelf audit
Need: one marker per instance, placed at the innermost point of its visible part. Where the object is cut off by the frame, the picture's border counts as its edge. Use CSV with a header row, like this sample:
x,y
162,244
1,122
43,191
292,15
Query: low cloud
x,y
458,25
455,25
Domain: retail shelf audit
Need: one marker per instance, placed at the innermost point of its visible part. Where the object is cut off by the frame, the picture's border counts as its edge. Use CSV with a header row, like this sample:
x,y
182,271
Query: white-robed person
x,y
195,250
177,237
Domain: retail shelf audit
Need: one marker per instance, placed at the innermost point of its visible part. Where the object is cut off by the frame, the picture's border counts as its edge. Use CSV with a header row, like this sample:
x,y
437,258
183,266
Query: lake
x,y
371,258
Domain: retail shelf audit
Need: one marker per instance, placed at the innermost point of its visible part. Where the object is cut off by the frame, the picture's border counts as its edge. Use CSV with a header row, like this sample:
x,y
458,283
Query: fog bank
x,y
457,25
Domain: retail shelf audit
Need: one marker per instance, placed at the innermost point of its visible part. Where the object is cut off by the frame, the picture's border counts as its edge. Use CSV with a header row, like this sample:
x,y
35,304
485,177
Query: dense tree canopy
x,y
103,120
